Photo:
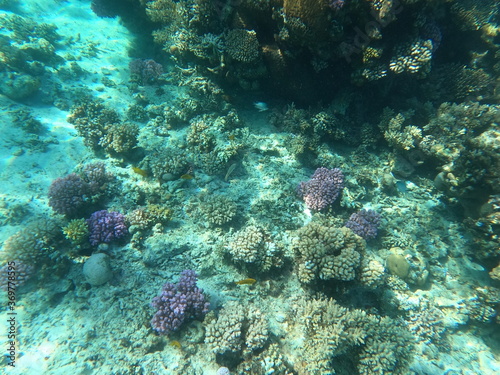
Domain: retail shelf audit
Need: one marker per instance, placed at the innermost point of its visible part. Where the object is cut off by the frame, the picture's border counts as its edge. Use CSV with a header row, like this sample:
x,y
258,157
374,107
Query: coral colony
x,y
322,189
327,170
178,303
364,223
105,227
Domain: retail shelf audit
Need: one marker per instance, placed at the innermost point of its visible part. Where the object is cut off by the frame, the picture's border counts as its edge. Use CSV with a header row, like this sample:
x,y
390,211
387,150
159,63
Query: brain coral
x,y
326,252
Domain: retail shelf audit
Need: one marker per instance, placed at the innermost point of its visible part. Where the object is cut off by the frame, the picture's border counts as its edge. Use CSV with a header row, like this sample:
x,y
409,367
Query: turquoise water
x,y
327,171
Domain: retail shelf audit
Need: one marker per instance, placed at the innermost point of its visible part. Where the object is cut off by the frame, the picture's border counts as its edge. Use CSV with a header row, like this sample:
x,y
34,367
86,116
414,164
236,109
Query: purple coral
x,y
322,189
177,303
364,223
69,195
97,178
15,274
106,226
147,71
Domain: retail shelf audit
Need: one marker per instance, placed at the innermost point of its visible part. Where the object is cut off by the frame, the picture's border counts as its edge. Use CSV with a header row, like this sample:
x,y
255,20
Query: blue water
x,y
249,187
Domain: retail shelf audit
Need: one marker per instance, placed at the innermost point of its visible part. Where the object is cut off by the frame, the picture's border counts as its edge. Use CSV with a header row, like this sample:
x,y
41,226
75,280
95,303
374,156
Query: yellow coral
x,y
76,231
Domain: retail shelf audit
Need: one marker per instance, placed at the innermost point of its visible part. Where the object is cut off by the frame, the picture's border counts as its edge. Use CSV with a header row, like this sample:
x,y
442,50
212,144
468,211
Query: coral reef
x,y
177,303
322,189
73,194
105,226
384,344
364,223
325,252
237,330
253,248
393,104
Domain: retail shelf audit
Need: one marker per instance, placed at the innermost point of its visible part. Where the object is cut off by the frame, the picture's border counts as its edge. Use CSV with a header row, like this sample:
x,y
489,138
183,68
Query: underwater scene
x,y
250,187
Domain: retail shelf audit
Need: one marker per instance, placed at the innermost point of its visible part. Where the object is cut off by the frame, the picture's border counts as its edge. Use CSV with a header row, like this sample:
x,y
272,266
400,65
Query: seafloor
x,y
204,167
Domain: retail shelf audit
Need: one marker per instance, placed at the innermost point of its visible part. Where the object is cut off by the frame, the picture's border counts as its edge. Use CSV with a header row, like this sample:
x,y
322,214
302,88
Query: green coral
x,y
76,231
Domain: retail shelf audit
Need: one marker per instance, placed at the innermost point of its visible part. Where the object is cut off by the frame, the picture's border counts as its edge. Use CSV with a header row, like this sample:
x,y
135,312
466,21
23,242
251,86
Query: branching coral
x,y
73,194
177,303
217,210
101,128
322,189
326,252
76,231
105,227
254,248
385,344
36,245
237,329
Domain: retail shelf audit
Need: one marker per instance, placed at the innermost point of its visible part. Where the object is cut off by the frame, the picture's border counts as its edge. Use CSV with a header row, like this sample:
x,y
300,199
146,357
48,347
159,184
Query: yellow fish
x,y
140,171
187,176
176,344
248,281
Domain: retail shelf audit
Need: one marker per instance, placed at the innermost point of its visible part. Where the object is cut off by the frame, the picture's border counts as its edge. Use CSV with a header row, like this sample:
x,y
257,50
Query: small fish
x,y
248,281
140,171
232,137
261,106
187,176
176,344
